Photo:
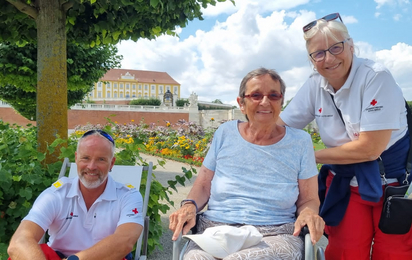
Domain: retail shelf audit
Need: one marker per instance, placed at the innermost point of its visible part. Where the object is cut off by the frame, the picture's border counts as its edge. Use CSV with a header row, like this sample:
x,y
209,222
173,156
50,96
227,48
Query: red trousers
x,y
48,253
358,237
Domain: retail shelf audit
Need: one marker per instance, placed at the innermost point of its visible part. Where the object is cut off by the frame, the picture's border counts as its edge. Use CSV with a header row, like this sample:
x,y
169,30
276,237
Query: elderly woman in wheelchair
x,y
258,178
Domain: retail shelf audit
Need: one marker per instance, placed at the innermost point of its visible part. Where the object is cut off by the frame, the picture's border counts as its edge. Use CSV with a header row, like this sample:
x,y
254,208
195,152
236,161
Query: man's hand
x,y
177,220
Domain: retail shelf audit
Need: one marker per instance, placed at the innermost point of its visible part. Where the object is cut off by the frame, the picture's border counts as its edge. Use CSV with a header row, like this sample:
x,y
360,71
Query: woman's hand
x,y
315,224
182,220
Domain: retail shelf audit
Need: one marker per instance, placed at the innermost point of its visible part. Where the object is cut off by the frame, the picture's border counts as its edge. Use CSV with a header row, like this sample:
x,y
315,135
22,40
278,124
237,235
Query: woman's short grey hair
x,y
260,72
332,29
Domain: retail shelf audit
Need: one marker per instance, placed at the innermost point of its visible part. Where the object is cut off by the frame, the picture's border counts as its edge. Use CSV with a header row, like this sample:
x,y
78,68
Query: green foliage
x,y
97,22
182,102
23,176
210,107
146,102
409,104
91,23
18,73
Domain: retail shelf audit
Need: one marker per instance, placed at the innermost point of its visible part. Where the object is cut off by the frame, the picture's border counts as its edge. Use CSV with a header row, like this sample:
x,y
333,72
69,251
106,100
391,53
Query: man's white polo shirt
x,y
61,209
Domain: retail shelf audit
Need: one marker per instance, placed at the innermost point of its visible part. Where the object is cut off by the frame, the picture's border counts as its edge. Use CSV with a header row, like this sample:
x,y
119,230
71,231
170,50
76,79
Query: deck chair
x,y
126,174
179,250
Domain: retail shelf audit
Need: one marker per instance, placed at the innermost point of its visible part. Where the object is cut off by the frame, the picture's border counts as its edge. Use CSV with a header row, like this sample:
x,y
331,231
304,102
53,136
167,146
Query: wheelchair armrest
x,y
177,251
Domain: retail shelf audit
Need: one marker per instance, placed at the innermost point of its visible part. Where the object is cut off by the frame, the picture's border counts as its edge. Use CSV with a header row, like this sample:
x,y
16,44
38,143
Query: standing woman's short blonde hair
x,y
330,29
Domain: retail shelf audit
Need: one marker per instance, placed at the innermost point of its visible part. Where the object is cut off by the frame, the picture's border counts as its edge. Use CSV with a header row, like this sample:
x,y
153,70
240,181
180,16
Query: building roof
x,y
143,76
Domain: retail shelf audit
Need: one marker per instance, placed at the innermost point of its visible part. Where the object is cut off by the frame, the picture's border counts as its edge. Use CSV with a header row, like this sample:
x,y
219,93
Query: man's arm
x,y
25,242
115,246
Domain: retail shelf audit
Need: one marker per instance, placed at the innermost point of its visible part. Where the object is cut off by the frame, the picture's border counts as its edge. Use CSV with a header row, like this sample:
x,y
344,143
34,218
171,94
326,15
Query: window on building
x,y
146,87
167,88
134,86
160,89
121,85
99,94
134,95
153,87
115,95
108,85
115,85
140,95
127,86
175,90
140,86
108,94
99,84
121,94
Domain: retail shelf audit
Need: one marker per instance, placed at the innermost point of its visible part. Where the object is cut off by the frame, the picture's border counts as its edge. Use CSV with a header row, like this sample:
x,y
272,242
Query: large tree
x,y
51,23
18,73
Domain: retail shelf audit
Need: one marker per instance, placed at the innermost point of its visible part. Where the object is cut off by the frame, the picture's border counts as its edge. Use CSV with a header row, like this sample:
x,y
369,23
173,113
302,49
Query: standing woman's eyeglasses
x,y
329,17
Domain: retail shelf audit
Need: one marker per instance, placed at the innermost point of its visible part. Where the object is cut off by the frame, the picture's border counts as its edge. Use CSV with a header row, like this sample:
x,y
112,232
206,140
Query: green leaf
x,y
71,20
154,3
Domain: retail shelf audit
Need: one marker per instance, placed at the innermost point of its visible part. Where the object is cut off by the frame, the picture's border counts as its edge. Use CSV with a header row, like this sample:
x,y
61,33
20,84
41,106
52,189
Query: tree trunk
x,y
51,75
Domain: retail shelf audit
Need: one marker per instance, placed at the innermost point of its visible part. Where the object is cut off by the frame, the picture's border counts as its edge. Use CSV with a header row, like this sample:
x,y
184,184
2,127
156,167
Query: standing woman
x,y
361,115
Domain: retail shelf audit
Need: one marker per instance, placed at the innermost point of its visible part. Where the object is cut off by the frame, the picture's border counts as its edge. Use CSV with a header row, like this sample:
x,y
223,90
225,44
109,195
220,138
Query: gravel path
x,y
173,168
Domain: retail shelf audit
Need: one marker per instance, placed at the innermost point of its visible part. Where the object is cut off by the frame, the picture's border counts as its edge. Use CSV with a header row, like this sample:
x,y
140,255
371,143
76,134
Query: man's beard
x,y
92,184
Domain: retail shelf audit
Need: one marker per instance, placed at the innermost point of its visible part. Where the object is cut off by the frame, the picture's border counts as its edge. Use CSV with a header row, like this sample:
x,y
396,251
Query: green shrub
x,y
23,176
146,102
181,102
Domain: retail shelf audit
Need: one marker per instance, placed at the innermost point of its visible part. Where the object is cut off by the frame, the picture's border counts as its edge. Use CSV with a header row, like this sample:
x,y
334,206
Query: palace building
x,y
125,85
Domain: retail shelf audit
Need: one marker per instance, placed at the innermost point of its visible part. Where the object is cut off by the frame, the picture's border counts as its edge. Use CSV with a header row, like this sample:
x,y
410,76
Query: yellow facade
x,y
128,87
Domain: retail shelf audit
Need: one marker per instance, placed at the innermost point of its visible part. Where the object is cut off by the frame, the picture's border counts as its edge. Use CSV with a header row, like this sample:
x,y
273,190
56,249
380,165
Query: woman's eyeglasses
x,y
101,132
256,96
335,49
329,17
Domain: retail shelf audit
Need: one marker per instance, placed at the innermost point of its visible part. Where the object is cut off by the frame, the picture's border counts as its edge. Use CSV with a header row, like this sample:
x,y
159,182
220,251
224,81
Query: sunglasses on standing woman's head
x,y
329,17
101,132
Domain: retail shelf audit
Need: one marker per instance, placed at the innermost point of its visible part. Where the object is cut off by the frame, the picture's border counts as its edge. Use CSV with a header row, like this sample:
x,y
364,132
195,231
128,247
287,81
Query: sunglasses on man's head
x,y
101,132
329,17
256,96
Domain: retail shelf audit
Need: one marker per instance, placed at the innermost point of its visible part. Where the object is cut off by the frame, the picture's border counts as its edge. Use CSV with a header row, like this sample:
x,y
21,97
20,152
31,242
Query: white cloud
x,y
212,63
349,19
397,17
398,60
392,3
263,6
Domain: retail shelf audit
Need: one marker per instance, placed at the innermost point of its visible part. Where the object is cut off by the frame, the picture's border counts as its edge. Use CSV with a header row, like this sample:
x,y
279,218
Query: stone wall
x,y
83,117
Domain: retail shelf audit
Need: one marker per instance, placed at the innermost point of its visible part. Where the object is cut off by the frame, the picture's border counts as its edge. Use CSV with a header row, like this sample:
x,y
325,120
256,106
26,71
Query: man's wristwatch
x,y
73,257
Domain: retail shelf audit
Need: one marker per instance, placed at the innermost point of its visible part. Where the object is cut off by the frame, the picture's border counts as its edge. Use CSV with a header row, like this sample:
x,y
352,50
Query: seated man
x,y
88,217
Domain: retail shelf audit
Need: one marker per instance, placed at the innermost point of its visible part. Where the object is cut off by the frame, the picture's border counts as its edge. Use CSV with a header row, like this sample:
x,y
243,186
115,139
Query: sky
x,y
211,57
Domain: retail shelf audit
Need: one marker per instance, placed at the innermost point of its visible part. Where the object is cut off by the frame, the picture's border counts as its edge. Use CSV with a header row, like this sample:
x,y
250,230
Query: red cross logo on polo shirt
x,y
71,214
135,211
320,110
374,102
